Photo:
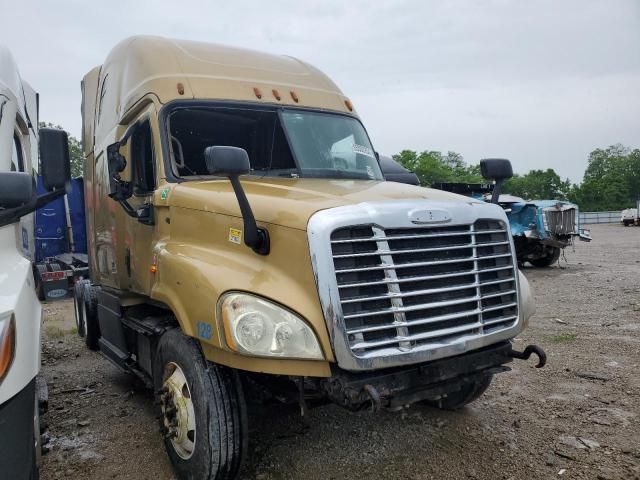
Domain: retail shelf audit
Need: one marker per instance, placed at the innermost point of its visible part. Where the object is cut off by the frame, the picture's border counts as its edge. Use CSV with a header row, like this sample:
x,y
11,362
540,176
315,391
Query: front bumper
x,y
17,445
402,386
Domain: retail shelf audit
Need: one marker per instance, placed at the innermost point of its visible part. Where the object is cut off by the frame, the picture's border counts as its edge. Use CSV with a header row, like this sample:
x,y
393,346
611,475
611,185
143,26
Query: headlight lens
x,y
7,343
256,326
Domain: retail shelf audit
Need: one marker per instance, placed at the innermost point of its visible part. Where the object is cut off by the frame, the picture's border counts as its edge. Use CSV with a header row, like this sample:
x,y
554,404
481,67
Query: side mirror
x,y
231,162
54,158
119,189
16,189
394,172
498,169
227,161
18,196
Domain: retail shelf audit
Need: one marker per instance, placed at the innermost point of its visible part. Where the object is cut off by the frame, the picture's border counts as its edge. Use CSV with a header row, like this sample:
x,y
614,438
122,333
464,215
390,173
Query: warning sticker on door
x,y
235,235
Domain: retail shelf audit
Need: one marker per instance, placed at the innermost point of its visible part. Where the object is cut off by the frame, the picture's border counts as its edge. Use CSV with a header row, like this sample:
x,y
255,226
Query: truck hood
x,y
291,202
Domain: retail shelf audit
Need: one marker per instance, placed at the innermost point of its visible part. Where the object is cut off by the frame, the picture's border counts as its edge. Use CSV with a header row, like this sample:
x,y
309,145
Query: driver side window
x,y
142,160
17,159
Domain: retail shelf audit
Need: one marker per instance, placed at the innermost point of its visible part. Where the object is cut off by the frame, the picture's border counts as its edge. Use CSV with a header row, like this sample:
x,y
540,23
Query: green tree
x,y
431,166
75,151
538,185
611,180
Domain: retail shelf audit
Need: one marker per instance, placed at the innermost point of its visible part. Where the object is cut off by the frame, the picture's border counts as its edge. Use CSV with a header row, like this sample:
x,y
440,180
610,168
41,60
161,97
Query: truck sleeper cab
x,y
242,238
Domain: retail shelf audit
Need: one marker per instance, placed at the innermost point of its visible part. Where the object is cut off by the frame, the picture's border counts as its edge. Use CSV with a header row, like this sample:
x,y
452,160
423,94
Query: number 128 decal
x,y
204,330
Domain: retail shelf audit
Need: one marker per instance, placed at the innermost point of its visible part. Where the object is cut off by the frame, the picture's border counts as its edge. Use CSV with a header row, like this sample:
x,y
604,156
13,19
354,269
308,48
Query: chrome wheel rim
x,y
178,413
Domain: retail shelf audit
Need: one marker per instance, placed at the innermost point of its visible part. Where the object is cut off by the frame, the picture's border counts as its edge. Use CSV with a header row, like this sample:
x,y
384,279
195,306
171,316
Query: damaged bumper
x,y
395,388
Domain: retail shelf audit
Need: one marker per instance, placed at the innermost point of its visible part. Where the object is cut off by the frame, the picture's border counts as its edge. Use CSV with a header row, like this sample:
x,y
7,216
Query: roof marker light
x,y
180,88
294,96
276,94
348,104
257,92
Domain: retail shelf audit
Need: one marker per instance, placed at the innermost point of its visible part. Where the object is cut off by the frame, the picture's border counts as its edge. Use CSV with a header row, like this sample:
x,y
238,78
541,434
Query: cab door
x,y
142,155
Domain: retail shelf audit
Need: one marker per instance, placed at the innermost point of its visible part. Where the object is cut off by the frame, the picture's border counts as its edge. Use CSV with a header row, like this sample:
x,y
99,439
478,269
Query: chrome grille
x,y
409,288
560,221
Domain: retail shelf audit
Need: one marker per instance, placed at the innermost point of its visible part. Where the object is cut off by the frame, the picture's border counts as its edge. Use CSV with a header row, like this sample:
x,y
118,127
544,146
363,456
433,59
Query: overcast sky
x,y
539,82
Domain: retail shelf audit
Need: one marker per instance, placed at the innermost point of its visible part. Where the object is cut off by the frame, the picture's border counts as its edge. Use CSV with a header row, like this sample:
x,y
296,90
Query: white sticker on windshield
x,y
370,172
362,150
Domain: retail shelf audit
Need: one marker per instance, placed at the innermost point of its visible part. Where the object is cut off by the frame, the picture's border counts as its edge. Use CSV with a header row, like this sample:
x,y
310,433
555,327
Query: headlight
x,y
7,343
256,326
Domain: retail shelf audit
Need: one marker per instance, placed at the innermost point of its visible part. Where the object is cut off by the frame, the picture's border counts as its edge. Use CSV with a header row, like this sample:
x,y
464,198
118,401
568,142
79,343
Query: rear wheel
x,y
553,254
78,299
90,316
469,392
203,412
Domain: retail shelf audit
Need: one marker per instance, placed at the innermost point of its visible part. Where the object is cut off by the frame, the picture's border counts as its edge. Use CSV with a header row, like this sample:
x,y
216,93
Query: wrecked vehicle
x,y
243,239
541,229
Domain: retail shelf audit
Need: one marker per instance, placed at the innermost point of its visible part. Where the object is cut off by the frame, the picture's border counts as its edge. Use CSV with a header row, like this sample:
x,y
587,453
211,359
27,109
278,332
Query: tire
x,y
467,394
215,446
90,316
553,254
78,298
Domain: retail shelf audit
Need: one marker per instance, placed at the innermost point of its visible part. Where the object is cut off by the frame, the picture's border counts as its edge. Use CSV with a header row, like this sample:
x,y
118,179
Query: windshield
x,y
279,142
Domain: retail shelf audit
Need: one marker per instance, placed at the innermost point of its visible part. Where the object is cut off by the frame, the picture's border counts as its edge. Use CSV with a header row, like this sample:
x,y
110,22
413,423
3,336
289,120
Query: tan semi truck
x,y
243,238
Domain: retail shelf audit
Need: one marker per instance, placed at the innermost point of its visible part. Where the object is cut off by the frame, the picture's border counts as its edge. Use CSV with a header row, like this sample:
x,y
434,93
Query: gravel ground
x,y
576,418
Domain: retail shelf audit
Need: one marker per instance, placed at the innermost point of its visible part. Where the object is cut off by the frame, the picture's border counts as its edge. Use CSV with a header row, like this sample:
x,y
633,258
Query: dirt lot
x,y
579,417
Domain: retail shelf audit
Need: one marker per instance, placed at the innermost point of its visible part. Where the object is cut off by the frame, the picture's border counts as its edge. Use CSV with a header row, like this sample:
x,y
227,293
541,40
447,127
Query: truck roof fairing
x,y
178,69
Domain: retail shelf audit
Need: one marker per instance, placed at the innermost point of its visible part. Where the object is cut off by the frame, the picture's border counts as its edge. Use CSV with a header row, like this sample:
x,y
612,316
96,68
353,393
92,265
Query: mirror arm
x,y
128,209
42,200
12,215
495,195
254,237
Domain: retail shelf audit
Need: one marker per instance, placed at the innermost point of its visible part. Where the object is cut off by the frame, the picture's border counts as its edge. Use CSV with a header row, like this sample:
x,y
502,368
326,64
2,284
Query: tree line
x,y
611,180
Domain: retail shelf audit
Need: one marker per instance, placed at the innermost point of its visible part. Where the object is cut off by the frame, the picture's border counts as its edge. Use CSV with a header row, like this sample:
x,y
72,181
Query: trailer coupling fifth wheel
x,y
526,353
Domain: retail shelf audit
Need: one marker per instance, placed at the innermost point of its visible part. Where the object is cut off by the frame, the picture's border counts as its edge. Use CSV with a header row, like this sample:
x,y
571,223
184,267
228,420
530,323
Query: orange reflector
x,y
276,94
257,92
153,268
7,346
294,96
180,88
349,105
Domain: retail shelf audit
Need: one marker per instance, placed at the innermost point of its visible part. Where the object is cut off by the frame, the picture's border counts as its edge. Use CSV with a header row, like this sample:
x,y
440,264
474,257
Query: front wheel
x,y
552,256
203,412
469,392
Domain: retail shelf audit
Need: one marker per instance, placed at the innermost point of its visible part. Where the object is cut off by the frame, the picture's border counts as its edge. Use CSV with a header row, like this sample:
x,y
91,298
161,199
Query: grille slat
x,y
410,237
424,306
421,250
424,278
408,288
421,264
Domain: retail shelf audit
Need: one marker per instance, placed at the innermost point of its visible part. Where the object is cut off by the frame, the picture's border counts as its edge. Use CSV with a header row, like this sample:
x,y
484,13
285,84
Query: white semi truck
x,y
20,311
